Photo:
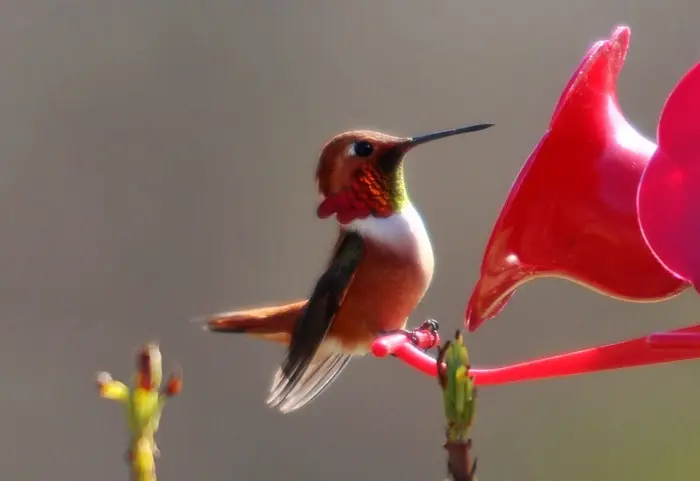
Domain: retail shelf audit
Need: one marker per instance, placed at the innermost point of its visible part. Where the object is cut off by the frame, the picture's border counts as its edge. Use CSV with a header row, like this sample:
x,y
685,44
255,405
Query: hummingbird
x,y
379,269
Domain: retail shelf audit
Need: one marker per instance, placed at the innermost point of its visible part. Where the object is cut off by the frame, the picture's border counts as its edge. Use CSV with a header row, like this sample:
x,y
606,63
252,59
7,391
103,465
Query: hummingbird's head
x,y
360,173
149,366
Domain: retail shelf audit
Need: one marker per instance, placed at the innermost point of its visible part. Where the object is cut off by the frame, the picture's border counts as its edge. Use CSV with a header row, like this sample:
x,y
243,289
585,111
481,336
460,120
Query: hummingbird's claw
x,y
412,336
430,325
409,333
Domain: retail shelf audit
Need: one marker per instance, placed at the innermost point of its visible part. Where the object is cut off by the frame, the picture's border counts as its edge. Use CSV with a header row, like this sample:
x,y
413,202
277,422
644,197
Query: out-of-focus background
x,y
156,163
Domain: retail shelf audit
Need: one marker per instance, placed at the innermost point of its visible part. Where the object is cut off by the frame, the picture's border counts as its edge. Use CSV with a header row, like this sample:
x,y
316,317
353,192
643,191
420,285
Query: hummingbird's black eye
x,y
362,148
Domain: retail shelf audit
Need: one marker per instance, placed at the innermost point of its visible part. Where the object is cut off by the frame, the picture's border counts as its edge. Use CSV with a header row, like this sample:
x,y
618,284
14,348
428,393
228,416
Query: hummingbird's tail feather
x,y
323,370
274,323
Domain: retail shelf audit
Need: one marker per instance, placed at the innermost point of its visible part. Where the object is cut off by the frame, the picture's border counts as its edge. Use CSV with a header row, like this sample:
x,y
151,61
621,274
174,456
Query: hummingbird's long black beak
x,y
392,158
422,139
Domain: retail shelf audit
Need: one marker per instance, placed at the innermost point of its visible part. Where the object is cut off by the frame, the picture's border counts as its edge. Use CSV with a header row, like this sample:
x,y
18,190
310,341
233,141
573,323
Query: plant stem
x,y
143,466
459,461
459,400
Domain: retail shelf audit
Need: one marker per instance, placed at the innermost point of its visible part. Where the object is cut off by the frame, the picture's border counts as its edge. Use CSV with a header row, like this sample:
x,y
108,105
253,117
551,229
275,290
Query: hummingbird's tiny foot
x,y
430,325
433,326
409,333
411,336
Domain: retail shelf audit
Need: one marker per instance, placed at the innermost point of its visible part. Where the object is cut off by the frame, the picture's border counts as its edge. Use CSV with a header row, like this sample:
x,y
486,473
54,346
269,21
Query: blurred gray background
x,y
156,163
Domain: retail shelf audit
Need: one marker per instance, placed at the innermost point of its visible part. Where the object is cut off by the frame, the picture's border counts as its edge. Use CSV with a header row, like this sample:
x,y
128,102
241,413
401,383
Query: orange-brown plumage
x,y
273,323
387,286
337,168
379,269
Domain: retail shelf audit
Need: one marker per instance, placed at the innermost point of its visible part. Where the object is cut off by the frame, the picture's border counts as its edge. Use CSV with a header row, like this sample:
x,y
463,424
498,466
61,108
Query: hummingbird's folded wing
x,y
321,371
305,372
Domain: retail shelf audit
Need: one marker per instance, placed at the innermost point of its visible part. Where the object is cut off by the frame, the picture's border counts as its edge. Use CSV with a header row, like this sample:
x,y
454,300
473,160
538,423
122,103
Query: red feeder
x,y
669,194
571,212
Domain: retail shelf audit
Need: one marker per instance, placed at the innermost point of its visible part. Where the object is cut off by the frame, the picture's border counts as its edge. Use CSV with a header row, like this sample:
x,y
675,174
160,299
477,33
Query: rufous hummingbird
x,y
379,270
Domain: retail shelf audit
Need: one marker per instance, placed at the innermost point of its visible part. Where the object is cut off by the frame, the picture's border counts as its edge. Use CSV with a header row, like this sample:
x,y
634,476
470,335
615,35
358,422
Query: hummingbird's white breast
x,y
403,230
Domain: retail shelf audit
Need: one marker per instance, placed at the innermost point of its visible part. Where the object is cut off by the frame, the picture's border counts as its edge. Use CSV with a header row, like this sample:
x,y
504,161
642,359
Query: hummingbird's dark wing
x,y
306,372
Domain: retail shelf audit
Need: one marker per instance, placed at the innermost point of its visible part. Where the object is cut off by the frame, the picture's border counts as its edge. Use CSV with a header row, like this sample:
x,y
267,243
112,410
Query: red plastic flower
x,y
669,193
572,212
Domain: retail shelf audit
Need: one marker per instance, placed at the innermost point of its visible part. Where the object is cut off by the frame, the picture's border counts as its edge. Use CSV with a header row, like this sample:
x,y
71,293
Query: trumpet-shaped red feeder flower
x,y
668,200
678,345
572,210
669,196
